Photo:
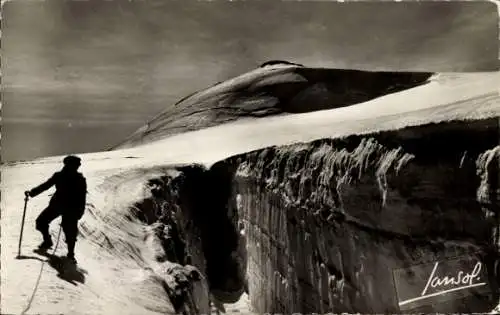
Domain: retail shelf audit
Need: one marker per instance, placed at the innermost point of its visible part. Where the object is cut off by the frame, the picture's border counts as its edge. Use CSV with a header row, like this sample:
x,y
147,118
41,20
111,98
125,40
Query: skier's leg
x,y
42,223
70,228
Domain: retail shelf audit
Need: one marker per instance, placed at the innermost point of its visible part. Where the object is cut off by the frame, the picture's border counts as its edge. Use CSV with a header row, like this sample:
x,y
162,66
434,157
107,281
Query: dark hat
x,y
71,160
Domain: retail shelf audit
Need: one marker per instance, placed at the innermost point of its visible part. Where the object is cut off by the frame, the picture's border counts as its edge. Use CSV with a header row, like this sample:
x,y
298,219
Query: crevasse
x,y
321,226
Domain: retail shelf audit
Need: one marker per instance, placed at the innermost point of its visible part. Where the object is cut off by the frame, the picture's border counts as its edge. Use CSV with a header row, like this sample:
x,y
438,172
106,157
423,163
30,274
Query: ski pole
x,y
22,225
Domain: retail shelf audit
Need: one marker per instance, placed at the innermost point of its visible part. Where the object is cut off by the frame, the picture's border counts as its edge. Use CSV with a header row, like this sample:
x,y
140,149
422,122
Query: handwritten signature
x,y
461,281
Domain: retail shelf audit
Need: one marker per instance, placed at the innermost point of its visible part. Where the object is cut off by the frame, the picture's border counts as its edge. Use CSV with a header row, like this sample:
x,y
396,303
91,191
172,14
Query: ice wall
x,y
339,225
328,222
191,242
139,223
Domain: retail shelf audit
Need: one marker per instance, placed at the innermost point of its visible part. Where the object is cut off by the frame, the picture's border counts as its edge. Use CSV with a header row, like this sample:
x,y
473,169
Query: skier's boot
x,y
71,251
71,258
46,244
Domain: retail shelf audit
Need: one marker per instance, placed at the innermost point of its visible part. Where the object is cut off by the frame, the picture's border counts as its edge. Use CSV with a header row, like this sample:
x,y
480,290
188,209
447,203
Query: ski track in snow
x,y
115,284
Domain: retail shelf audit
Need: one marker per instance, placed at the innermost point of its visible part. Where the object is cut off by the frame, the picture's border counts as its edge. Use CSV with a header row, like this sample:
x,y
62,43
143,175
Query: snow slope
x,y
116,280
276,88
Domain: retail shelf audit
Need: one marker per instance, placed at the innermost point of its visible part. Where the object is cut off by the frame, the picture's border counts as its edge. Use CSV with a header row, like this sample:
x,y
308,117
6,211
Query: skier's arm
x,y
43,187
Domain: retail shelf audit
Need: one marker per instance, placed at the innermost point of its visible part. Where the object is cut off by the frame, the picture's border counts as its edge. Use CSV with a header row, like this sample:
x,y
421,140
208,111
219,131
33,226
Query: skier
x,y
68,201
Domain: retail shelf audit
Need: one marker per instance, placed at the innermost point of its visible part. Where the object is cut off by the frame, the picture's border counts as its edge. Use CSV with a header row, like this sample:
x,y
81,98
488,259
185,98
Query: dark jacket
x,y
70,195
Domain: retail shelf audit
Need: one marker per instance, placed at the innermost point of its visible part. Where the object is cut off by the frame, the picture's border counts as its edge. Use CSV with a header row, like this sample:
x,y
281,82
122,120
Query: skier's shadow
x,y
66,270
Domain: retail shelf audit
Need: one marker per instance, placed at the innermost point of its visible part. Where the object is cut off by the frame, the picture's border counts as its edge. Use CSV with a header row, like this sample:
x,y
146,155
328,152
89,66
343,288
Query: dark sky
x,y
80,76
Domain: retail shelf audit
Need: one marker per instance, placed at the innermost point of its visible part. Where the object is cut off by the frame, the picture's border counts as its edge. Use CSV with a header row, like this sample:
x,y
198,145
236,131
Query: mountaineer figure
x,y
68,201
